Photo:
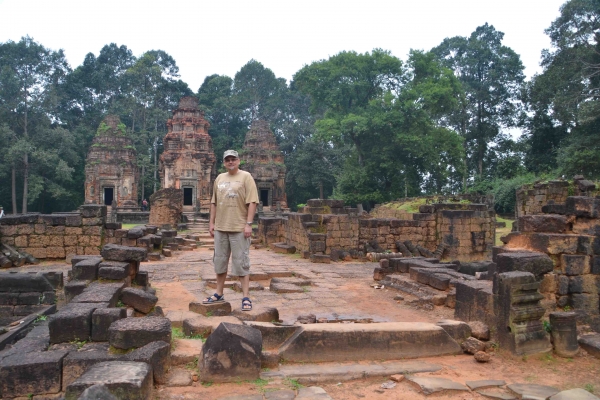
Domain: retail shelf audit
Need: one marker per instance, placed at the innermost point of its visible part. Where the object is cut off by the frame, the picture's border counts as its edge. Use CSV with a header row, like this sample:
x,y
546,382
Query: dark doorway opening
x,y
187,197
109,195
264,197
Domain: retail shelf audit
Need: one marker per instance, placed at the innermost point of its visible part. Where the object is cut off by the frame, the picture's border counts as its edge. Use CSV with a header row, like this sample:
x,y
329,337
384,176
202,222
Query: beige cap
x,y
230,153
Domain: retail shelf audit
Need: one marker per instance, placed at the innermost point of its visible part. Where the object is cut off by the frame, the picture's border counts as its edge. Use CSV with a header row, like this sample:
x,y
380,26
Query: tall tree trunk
x,y
25,165
155,161
143,173
14,190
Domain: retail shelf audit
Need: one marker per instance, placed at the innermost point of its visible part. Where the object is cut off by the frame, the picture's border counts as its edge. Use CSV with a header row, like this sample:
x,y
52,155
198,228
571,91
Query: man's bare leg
x,y
245,281
221,283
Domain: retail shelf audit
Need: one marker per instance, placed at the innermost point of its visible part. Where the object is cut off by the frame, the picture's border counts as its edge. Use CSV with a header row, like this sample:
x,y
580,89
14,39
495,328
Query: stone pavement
x,y
325,291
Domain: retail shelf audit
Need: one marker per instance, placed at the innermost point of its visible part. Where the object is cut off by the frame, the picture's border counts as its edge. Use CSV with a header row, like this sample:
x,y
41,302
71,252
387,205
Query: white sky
x,y
220,36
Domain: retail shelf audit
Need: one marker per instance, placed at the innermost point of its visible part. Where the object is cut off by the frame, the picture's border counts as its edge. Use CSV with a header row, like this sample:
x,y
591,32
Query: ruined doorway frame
x,y
188,191
113,196
262,197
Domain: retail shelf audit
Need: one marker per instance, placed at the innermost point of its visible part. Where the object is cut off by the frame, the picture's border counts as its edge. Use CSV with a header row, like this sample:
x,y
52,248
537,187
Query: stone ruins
x,y
188,161
111,173
262,158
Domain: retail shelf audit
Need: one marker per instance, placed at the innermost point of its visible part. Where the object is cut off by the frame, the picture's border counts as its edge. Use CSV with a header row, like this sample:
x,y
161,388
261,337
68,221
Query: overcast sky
x,y
220,36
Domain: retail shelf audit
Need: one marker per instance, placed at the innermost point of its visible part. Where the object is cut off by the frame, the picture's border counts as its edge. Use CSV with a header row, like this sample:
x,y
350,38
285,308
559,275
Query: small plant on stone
x,y
41,318
120,304
266,369
30,396
260,384
177,333
305,289
547,326
566,308
207,384
589,387
192,364
293,384
209,313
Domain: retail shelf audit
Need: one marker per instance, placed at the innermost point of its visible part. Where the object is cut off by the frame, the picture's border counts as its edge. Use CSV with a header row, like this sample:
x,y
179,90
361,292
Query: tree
x,y
492,77
564,99
29,77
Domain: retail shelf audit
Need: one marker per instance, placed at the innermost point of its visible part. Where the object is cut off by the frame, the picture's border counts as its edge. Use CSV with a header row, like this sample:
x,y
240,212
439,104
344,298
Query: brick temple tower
x,y
111,172
263,159
188,161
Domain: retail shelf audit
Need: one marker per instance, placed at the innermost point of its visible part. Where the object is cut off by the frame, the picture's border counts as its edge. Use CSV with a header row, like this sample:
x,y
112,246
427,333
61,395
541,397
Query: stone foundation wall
x,y
467,229
531,198
49,236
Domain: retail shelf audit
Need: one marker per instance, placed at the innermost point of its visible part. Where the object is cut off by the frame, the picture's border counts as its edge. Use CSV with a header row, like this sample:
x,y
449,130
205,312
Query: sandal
x,y
246,304
215,298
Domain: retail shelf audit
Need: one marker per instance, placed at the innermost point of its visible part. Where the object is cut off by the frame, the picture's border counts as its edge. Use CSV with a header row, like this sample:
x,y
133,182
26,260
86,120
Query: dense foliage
x,y
365,127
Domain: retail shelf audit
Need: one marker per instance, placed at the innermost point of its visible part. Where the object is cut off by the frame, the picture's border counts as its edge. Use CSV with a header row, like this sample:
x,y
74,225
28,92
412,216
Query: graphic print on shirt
x,y
229,193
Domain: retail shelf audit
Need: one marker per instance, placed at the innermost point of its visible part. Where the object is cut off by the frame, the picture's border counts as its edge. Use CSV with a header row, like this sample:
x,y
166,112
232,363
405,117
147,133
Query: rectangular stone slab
x,y
356,342
31,373
124,380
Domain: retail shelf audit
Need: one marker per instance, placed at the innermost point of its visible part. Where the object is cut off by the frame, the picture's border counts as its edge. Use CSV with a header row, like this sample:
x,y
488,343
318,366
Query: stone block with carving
x,y
166,207
232,352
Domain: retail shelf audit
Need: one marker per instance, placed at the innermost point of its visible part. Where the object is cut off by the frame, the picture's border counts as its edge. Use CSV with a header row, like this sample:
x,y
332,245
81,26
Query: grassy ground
x,y
128,226
503,231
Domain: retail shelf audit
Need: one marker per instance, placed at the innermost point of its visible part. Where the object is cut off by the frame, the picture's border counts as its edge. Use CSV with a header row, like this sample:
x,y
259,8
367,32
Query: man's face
x,y
231,163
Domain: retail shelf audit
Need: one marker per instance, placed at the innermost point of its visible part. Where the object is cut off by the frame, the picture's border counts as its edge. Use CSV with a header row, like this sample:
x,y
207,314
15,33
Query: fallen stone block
x,y
472,345
479,330
283,248
167,253
77,362
536,263
77,258
123,379
232,352
355,342
139,299
320,258
217,309
31,373
102,318
430,384
204,326
591,344
458,330
98,292
532,391
113,270
258,314
73,323
22,282
573,394
86,269
157,355
114,252
137,332
73,289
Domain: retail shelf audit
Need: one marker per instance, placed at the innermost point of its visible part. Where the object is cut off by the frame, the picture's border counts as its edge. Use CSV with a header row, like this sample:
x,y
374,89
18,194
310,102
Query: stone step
x,y
423,292
336,372
361,342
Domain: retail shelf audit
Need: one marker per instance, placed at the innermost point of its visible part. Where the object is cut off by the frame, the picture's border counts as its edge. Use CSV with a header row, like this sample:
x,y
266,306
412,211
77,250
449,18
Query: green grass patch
x,y
128,226
503,231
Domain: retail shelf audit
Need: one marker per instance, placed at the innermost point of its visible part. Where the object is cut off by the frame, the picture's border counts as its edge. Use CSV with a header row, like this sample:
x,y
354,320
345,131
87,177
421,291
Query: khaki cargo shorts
x,y
237,246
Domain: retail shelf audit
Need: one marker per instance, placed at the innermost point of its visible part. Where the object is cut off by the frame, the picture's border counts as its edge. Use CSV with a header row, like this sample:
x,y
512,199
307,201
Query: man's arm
x,y
211,221
249,218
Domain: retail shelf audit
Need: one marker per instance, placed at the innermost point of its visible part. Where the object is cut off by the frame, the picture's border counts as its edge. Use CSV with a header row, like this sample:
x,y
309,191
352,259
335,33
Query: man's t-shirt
x,y
231,195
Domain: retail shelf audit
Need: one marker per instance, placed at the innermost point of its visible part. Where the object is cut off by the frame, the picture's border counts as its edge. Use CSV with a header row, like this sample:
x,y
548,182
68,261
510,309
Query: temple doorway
x,y
109,195
188,198
264,197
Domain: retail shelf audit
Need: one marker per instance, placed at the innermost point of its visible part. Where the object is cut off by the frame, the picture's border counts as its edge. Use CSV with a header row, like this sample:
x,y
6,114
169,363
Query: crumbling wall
x,y
56,235
531,198
569,234
467,229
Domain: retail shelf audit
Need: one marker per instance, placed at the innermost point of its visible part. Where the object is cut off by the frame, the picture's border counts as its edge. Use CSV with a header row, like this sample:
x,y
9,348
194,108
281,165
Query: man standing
x,y
232,210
